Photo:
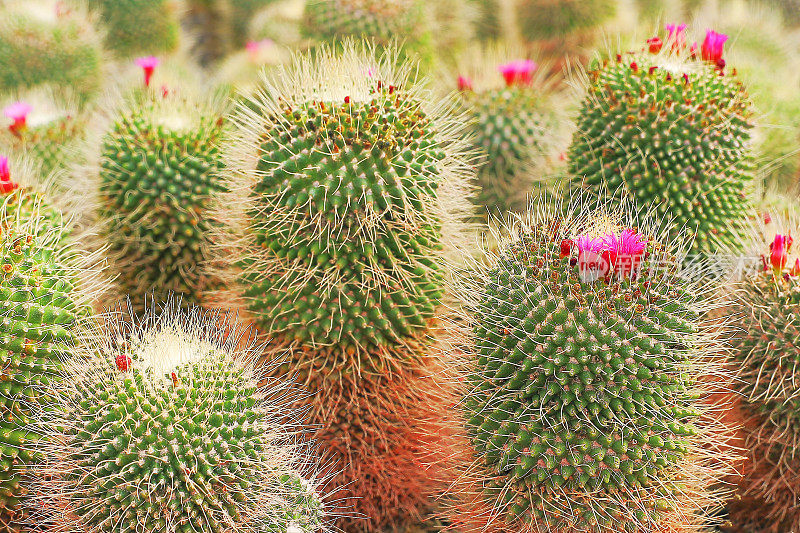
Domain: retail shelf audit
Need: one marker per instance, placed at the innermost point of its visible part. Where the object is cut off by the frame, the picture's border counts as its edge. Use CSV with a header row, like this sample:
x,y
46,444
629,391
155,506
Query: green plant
x,y
43,42
546,19
336,232
585,407
137,27
161,425
670,127
157,172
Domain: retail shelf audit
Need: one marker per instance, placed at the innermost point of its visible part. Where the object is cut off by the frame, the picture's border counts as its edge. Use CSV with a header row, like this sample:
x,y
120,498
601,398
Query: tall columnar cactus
x,y
512,125
671,126
161,426
336,225
546,19
135,27
47,42
766,348
584,409
157,173
44,296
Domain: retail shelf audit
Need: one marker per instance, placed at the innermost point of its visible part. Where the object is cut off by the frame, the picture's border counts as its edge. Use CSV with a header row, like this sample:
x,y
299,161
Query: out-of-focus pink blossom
x,y
676,35
464,83
518,72
654,44
148,65
18,112
6,185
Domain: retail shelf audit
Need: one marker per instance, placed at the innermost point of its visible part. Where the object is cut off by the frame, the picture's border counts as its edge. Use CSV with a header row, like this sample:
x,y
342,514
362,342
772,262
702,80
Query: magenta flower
x,y
6,185
624,252
676,35
519,72
464,83
591,263
779,251
148,64
256,47
795,271
713,47
18,112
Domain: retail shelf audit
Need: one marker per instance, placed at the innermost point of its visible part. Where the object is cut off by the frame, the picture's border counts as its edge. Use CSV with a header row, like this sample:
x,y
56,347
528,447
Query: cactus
x,y
161,424
512,124
765,349
43,298
583,409
136,27
670,126
546,19
336,231
489,20
156,175
241,13
42,42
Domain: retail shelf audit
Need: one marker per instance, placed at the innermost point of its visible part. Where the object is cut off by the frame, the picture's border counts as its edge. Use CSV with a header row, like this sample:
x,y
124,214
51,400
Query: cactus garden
x,y
399,266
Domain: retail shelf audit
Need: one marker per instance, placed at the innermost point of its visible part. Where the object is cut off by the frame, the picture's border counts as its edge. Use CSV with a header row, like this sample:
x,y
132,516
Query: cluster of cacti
x,y
547,19
765,347
162,426
157,172
512,126
585,409
135,27
44,296
47,42
340,221
670,125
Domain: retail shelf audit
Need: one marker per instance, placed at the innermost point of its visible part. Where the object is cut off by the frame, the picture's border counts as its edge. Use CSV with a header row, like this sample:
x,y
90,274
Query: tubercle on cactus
x,y
578,412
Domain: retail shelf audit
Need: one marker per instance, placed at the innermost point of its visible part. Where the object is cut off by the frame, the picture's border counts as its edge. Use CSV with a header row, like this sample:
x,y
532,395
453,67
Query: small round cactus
x,y
585,410
47,42
136,27
546,19
670,126
162,426
157,173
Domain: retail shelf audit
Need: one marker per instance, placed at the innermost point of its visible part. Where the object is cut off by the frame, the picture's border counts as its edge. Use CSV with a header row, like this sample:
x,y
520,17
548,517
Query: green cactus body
x,y
672,132
49,143
241,13
489,24
363,174
139,27
44,44
41,306
168,428
158,171
510,126
546,19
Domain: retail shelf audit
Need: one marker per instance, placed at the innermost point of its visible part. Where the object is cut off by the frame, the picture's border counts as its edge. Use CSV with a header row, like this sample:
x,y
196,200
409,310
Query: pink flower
x,y
519,72
464,83
624,252
591,263
795,271
18,112
655,44
779,252
677,35
6,185
713,47
254,48
148,64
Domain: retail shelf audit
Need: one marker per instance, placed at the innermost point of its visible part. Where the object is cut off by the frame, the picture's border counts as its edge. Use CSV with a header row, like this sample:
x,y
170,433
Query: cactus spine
x,y
341,233
161,426
673,129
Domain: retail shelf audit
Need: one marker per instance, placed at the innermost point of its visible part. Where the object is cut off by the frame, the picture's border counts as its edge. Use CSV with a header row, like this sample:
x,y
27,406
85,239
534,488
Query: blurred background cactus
x,y
139,27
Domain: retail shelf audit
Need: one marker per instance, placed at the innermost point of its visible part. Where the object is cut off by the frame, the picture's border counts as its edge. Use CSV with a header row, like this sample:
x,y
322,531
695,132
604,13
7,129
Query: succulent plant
x,y
43,42
585,410
489,20
670,126
161,426
545,19
44,296
136,27
157,173
334,223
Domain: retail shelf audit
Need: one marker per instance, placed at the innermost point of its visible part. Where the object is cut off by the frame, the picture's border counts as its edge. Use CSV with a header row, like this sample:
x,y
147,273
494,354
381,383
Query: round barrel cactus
x,y
157,173
585,408
334,227
135,27
670,126
161,425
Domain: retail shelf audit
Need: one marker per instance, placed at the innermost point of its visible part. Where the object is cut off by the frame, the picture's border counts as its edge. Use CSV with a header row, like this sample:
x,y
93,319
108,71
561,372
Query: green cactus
x,y
670,130
43,300
161,423
547,19
42,42
583,408
337,227
139,27
157,173
489,20
241,13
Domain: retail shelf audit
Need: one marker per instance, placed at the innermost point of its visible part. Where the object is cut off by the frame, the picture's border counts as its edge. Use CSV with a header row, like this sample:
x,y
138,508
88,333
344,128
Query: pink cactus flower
x,y
624,252
676,35
795,271
148,65
464,83
654,44
519,72
693,50
779,252
18,112
712,48
254,48
591,263
6,185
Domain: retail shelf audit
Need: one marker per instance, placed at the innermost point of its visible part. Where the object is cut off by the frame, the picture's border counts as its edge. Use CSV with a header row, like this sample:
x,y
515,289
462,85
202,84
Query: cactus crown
x,y
341,212
669,127
584,410
162,425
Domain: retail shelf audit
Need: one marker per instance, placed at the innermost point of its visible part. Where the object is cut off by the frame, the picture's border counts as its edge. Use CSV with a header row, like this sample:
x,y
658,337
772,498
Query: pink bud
x,y
464,83
519,72
6,185
18,112
767,218
795,271
655,44
148,64
677,36
779,251
713,46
